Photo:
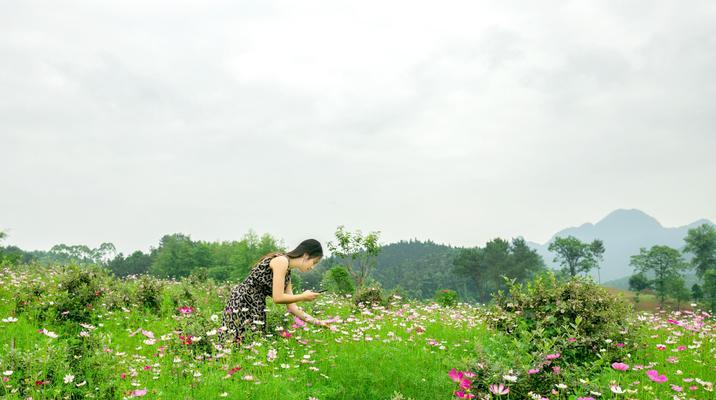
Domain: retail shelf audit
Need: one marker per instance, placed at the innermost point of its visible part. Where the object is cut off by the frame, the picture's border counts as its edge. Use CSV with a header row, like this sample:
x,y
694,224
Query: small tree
x,y
354,248
710,288
696,292
338,280
638,283
678,291
701,242
576,256
666,264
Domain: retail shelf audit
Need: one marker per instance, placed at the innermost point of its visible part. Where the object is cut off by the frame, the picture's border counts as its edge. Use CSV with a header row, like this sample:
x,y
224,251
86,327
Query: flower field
x,y
66,334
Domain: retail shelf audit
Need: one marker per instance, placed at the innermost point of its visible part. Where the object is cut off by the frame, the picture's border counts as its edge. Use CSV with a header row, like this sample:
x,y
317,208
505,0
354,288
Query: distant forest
x,y
416,269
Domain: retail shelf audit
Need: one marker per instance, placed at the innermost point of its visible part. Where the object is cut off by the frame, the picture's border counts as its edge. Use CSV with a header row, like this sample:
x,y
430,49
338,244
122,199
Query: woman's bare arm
x,y
298,311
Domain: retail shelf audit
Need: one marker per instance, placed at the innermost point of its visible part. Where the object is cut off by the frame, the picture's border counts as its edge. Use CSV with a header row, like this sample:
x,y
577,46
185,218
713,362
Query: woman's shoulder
x,y
277,259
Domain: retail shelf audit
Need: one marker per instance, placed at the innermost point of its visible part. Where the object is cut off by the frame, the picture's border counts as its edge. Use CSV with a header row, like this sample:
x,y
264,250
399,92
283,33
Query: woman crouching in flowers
x,y
271,276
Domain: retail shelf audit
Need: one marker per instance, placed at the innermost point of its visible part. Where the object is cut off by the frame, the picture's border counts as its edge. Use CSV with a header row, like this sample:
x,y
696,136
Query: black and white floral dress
x,y
246,308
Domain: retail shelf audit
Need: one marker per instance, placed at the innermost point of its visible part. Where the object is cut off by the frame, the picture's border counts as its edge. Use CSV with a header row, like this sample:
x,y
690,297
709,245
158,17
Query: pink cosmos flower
x,y
552,356
620,366
298,323
455,375
285,334
465,384
533,371
499,389
681,348
463,395
556,370
677,388
138,393
654,376
186,310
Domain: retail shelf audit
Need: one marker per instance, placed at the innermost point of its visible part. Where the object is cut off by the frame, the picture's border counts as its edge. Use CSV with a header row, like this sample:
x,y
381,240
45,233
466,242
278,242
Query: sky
x,y
454,121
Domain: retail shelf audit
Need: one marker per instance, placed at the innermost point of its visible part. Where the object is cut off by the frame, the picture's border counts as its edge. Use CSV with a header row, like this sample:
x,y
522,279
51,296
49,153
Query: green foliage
x,y
710,289
149,292
80,290
578,309
486,266
664,262
81,254
137,263
576,256
355,248
638,283
678,291
338,280
577,319
446,297
701,242
696,292
369,295
178,256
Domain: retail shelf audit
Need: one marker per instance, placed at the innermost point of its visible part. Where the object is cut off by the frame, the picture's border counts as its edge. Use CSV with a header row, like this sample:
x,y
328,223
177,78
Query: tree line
x,y
415,268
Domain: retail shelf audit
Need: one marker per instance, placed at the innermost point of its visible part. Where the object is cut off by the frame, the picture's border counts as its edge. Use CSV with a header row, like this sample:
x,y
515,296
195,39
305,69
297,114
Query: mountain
x,y
623,232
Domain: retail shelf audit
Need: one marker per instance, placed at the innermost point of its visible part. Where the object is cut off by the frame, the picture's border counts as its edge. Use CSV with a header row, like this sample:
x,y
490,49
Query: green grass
x,y
375,353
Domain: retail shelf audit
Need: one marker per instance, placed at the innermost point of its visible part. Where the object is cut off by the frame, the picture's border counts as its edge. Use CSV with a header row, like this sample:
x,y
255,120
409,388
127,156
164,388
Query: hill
x,y
623,232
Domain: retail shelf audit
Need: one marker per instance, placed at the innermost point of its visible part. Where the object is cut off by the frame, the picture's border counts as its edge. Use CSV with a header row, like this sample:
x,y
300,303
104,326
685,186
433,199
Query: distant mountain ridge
x,y
623,232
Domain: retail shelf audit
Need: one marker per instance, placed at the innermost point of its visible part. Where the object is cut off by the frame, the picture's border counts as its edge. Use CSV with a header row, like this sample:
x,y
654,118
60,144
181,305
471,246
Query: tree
x,y
678,291
638,283
701,242
82,254
137,263
664,262
360,249
338,280
597,249
576,256
175,257
710,288
696,292
487,266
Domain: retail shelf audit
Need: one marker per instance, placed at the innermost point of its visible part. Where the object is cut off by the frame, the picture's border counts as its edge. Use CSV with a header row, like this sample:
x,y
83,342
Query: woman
x,y
271,276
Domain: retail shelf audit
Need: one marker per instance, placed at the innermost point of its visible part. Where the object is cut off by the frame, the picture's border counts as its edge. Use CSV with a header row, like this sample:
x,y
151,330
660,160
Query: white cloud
x,y
457,121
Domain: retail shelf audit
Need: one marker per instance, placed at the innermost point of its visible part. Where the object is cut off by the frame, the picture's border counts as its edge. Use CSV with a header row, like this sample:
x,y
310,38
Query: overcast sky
x,y
456,121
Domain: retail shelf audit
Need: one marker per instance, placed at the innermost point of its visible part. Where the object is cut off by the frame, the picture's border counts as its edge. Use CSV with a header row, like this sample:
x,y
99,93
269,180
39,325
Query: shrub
x,y
149,292
446,297
369,296
78,292
397,295
563,330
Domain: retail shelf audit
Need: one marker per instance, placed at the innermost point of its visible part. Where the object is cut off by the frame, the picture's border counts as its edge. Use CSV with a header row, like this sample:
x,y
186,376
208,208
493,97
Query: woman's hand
x,y
320,322
309,295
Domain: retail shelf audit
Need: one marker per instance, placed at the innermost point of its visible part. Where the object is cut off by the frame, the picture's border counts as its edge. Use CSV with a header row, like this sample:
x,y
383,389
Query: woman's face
x,y
307,263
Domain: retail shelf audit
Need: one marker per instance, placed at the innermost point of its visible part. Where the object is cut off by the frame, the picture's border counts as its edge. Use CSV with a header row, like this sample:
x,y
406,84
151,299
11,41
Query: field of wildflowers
x,y
69,334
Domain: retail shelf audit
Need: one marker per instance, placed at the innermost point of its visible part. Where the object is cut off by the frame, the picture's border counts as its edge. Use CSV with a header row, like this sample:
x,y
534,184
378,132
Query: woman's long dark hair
x,y
310,246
